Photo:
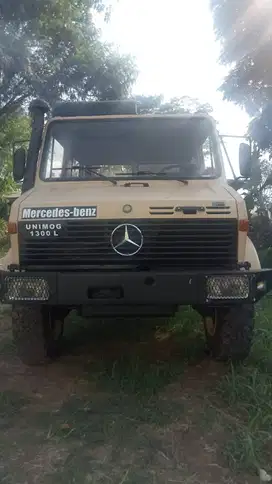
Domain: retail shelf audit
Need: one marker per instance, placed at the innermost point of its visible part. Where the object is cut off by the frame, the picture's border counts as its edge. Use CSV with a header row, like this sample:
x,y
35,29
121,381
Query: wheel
x,y
37,332
229,332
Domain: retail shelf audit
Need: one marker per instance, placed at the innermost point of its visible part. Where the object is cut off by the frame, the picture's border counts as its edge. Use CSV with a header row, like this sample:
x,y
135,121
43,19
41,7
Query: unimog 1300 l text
x,y
128,215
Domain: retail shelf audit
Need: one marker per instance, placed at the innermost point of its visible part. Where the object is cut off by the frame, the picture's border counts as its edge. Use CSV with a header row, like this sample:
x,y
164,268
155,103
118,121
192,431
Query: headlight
x,y
227,287
26,289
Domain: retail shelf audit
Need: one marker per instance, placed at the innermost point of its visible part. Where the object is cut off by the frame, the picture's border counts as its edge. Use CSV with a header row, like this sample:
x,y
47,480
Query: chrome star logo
x,y
127,240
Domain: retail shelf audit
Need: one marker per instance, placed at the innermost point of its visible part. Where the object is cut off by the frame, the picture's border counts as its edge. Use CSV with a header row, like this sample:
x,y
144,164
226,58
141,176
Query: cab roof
x,y
95,108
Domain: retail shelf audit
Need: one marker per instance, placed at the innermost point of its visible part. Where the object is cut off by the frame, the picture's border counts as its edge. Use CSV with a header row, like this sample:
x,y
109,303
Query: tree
x,y
52,49
177,105
16,129
244,30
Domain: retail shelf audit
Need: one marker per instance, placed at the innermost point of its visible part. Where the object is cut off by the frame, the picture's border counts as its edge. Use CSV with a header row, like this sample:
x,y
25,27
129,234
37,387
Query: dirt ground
x,y
127,403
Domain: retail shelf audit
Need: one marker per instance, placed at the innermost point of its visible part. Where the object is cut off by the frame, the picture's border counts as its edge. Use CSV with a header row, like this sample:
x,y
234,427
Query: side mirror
x,y
245,160
19,161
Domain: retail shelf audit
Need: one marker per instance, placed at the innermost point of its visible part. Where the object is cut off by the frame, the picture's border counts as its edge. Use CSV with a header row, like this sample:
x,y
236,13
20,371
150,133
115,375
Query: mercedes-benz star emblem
x,y
127,240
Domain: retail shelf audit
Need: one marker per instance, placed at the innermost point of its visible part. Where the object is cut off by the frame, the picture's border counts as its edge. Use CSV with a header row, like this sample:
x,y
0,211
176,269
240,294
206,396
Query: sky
x,y
176,52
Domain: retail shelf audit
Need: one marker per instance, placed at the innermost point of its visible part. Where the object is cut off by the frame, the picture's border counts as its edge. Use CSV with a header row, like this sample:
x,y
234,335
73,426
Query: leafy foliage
x,y
16,129
258,202
177,105
244,30
53,50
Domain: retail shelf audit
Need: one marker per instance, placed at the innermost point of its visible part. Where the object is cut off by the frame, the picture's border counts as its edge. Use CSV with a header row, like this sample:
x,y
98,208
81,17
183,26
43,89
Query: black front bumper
x,y
130,288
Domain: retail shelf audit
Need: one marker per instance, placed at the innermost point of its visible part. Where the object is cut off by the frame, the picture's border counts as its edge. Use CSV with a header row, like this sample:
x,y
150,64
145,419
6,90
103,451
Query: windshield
x,y
141,147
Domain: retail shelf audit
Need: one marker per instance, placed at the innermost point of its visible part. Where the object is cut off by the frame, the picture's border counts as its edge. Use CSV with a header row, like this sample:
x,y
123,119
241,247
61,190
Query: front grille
x,y
187,244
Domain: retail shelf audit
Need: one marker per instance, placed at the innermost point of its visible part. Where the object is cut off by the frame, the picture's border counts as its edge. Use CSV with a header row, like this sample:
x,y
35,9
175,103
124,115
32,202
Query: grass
x,y
145,408
132,375
247,393
11,403
113,417
7,346
111,431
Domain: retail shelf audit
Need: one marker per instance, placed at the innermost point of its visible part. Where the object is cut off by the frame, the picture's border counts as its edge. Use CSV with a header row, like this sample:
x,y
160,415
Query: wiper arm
x,y
92,171
147,172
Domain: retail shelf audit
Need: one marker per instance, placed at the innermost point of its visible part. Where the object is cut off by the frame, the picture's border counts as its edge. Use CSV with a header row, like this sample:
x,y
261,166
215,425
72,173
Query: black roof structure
x,y
96,108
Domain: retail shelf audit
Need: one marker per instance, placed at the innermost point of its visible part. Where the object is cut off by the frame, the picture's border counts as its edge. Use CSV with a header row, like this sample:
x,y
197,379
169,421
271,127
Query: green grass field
x,y
133,402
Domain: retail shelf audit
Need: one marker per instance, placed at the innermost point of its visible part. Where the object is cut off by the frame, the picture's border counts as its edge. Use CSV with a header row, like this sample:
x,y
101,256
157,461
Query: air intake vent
x,y
162,210
220,209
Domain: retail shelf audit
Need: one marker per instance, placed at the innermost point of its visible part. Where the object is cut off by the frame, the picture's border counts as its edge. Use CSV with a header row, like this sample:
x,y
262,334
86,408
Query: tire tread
x,y
234,333
29,335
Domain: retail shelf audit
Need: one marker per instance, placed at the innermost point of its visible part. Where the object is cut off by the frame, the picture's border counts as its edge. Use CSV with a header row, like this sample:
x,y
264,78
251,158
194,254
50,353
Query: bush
x,y
265,256
4,238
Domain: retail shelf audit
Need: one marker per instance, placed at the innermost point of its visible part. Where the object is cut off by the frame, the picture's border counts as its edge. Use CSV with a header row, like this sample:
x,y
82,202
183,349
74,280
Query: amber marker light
x,y
244,225
12,228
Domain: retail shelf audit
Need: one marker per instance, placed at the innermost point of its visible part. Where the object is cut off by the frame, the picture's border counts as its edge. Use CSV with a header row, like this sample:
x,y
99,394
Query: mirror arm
x,y
228,158
237,182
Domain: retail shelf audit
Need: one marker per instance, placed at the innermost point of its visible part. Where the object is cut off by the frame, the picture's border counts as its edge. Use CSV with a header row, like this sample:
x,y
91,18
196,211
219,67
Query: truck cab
x,y
124,214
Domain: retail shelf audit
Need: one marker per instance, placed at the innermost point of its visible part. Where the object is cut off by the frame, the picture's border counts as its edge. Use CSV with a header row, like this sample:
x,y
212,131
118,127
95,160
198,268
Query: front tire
x,y
229,332
37,333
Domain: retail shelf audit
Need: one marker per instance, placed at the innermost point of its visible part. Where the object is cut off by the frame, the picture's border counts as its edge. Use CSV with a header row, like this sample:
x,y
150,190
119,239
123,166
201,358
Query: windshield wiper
x,y
147,172
92,171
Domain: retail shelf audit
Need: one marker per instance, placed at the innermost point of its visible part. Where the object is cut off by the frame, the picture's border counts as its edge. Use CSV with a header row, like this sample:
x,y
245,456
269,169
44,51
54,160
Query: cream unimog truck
x,y
121,215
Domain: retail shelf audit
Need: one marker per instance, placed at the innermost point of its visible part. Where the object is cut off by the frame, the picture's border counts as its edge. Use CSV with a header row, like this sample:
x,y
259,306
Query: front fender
x,y
251,256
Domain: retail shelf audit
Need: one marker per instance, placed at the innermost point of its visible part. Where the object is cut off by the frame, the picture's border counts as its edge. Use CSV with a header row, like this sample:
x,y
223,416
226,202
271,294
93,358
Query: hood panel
x,y
145,201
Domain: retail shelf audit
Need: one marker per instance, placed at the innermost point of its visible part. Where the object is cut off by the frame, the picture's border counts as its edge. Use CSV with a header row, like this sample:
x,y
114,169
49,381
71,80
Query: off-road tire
x,y
231,336
33,335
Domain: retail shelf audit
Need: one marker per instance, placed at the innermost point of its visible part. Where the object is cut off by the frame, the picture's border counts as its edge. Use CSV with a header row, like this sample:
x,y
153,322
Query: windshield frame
x,y
148,177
